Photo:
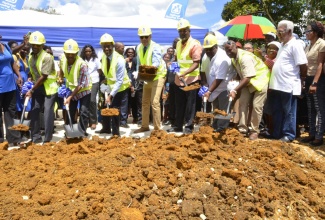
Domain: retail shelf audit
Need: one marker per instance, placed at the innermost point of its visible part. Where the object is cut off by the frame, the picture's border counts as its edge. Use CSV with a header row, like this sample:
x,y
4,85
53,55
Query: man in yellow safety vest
x,y
117,79
188,55
149,53
254,79
45,89
75,70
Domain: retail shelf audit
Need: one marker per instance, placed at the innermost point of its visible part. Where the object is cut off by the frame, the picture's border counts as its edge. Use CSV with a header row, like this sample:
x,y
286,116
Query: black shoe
x,y
38,141
285,139
307,139
175,130
188,131
316,142
103,132
167,122
125,126
218,130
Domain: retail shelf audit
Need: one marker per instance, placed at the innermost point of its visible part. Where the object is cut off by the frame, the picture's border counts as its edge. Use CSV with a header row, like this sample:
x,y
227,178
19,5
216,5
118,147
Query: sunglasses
x,y
308,31
144,37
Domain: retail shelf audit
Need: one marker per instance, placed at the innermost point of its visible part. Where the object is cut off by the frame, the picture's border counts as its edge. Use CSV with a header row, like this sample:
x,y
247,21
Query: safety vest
x,y
50,85
146,59
262,71
183,56
74,73
111,73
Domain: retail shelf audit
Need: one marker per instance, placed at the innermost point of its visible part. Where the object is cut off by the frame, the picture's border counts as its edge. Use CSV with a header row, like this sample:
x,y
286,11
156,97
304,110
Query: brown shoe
x,y
253,136
142,129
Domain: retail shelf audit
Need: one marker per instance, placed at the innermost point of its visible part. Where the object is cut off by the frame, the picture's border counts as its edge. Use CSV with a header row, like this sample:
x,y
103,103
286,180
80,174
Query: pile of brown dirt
x,y
202,175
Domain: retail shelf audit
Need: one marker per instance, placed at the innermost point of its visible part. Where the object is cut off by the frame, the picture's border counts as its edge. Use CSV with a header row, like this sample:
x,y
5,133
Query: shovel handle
x,y
204,99
66,105
26,101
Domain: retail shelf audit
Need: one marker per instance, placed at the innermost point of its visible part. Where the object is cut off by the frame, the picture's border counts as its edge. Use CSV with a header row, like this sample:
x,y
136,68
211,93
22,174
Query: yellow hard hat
x,y
209,41
37,38
144,31
106,38
183,23
70,46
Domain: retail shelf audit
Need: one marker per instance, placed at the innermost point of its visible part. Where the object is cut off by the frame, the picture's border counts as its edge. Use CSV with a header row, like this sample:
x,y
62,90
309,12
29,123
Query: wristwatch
x,y
314,84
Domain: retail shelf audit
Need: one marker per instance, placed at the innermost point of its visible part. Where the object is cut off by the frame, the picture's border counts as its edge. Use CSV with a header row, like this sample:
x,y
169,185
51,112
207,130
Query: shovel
x,y
22,120
229,115
72,130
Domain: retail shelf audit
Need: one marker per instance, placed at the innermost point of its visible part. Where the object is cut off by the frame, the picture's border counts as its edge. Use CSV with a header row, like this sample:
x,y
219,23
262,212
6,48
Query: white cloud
x,y
117,8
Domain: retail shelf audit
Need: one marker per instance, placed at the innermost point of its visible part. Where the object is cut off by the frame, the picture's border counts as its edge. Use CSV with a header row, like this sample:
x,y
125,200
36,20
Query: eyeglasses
x,y
308,31
144,37
270,49
281,32
248,48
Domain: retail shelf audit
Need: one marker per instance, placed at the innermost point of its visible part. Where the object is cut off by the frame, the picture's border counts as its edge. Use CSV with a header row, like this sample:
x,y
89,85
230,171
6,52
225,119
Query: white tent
x,y
88,29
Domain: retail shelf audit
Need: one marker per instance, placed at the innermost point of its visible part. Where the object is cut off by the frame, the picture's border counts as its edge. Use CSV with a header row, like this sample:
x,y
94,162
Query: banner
x,y
6,5
176,9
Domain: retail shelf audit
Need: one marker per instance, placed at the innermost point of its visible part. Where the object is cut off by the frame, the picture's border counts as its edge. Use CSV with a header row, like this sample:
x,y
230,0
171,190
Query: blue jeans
x,y
284,110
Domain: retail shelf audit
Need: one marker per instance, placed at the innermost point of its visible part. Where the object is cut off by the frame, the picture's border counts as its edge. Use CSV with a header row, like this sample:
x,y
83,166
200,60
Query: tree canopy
x,y
301,12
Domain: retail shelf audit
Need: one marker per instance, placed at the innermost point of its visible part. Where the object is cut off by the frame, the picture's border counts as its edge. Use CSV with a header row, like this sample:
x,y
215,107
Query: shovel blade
x,y
25,122
73,132
227,117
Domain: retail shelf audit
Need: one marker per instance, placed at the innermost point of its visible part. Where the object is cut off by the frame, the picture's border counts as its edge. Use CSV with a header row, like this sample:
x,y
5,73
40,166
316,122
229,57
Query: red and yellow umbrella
x,y
247,27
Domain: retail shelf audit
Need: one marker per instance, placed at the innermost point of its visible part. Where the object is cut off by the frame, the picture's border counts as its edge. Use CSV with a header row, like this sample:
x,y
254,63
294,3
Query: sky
x,y
202,13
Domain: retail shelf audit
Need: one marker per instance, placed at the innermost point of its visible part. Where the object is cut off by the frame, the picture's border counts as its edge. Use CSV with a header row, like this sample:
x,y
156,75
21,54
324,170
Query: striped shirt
x,y
83,81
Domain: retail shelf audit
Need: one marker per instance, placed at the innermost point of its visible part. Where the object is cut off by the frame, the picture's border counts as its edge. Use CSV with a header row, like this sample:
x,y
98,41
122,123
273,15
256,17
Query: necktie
x,y
108,64
144,50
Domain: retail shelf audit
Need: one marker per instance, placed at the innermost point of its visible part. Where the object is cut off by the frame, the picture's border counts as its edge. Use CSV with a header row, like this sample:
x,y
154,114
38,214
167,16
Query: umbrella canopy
x,y
247,27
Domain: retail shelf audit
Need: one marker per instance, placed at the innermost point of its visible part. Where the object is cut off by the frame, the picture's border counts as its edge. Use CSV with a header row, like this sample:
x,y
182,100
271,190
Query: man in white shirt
x,y
285,83
218,73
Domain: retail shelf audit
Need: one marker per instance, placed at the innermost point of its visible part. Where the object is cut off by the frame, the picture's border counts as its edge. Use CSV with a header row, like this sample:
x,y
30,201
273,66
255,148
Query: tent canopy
x,y
88,29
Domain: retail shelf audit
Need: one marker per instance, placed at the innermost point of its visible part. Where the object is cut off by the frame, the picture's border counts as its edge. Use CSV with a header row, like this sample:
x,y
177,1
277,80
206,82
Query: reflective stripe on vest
x,y
183,56
50,84
72,76
146,59
262,71
111,74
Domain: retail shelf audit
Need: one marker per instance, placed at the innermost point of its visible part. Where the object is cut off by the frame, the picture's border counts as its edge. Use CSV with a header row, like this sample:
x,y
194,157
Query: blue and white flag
x,y
6,5
176,9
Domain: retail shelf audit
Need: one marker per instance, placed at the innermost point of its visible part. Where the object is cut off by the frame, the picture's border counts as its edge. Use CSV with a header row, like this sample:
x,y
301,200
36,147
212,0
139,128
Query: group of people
x,y
264,85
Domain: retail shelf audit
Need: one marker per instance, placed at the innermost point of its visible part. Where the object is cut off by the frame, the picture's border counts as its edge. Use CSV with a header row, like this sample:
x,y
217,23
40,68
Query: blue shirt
x,y
120,70
7,78
156,56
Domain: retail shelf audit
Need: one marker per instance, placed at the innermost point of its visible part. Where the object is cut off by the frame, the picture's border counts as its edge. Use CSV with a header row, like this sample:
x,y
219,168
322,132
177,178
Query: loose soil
x,y
203,175
191,87
20,127
110,112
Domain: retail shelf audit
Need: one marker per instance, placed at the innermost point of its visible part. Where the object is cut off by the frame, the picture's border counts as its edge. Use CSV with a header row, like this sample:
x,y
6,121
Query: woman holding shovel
x,y
75,71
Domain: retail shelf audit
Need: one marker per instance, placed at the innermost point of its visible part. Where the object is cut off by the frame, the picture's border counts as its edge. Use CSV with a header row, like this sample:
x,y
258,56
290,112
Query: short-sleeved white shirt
x,y
285,75
219,68
205,64
93,66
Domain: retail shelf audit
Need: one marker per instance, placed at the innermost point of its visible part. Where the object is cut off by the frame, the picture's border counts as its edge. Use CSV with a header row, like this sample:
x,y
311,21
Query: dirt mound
x,y
202,175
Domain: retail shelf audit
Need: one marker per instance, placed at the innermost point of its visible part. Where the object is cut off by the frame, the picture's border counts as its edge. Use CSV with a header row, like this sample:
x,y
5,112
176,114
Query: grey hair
x,y
288,24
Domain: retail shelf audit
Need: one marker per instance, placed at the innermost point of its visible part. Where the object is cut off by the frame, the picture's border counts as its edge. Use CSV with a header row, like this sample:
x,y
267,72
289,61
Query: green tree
x,y
298,11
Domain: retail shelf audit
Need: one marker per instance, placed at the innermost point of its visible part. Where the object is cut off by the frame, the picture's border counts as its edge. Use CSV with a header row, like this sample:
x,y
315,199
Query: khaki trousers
x,y
151,95
259,99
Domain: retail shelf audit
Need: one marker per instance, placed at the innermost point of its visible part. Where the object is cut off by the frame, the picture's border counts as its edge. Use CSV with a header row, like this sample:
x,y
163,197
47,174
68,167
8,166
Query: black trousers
x,y
8,107
39,101
185,108
83,112
113,122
